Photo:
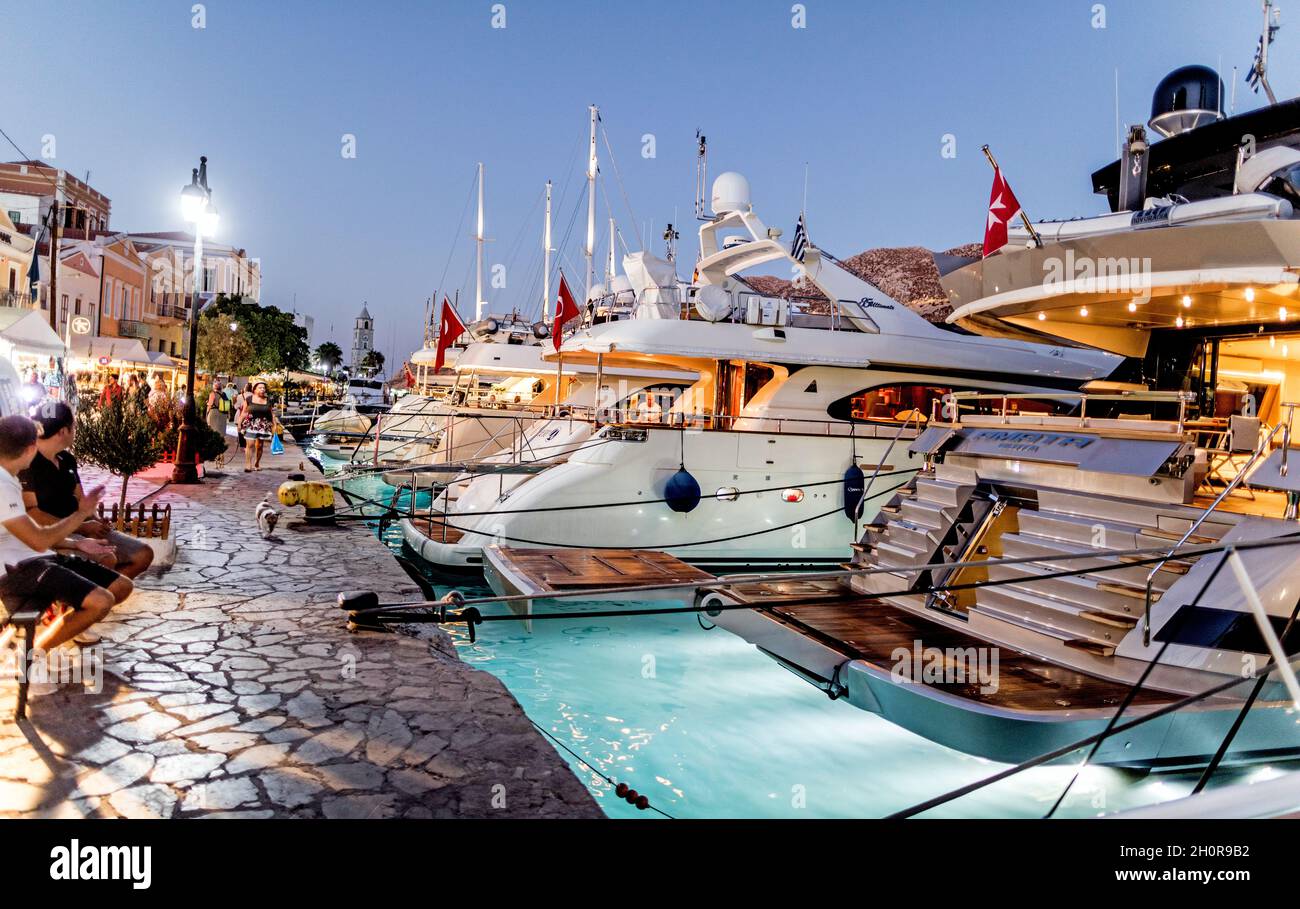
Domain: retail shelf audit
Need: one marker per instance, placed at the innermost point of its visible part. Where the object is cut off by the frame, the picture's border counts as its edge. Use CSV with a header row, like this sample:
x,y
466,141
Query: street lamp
x,y
197,208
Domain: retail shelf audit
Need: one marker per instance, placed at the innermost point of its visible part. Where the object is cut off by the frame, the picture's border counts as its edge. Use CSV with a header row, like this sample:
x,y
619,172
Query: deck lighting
x,y
1042,316
1187,301
1083,311
1179,321
1250,295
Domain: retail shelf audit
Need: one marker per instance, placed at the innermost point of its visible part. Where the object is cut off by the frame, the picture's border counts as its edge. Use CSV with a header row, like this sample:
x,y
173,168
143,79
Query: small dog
x,y
267,517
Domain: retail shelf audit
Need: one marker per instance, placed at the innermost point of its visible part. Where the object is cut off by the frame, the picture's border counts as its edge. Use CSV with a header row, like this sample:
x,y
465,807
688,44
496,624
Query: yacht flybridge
x,y
763,459
1051,577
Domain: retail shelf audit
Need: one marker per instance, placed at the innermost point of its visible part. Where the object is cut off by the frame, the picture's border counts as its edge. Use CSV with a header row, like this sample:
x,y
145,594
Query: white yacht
x,y
762,461
1129,570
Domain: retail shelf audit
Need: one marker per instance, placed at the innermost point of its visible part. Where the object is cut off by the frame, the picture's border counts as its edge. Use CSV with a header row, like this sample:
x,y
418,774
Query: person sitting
x,y
52,491
29,569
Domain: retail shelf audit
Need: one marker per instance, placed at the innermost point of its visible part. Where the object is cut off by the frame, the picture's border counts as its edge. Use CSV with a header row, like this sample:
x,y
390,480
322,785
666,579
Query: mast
x,y
479,303
591,203
613,262
546,259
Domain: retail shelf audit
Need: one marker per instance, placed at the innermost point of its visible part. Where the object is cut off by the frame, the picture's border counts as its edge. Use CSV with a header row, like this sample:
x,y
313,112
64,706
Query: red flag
x,y
565,309
450,327
1003,207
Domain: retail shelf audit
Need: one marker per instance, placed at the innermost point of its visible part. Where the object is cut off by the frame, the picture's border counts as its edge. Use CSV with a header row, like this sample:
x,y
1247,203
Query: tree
x,y
223,351
373,362
118,437
277,341
330,355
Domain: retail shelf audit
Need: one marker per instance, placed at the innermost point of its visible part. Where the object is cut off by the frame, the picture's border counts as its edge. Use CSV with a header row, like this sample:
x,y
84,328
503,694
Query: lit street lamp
x,y
197,208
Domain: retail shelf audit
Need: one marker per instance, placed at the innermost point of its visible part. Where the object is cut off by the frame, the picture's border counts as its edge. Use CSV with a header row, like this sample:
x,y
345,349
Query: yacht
x,y
1127,569
798,424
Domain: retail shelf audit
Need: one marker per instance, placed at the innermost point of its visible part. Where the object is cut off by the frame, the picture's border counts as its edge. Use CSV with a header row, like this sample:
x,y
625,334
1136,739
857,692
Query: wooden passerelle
x,y
552,570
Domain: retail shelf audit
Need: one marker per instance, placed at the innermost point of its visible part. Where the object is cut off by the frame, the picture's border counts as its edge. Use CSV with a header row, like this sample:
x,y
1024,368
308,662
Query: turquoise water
x,y
708,727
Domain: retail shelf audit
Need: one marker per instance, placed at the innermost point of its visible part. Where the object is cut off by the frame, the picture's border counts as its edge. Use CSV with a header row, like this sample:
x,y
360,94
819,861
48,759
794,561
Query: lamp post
x,y
196,206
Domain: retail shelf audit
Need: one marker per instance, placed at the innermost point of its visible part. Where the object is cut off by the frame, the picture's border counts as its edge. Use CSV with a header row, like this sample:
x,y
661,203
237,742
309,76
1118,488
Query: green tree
x,y
277,342
223,351
122,439
373,362
330,356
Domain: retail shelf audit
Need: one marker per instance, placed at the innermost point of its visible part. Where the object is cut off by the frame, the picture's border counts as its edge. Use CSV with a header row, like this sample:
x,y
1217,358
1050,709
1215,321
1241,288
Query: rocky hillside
x,y
909,274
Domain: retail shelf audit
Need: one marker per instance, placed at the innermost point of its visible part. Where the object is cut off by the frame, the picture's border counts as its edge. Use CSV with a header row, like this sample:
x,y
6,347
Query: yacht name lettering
x,y
868,303
1032,441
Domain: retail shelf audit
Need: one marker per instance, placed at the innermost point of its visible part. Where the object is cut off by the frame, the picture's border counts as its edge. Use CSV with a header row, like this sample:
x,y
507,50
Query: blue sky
x,y
864,95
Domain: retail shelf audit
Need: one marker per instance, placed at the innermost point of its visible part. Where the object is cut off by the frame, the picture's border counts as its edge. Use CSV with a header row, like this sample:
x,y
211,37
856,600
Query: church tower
x,y
363,339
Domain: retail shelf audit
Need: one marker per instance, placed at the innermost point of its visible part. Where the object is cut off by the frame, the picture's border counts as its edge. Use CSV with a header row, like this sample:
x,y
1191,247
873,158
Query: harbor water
x,y
707,726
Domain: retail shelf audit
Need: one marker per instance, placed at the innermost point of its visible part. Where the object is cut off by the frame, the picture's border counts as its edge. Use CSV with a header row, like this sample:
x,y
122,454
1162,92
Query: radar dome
x,y
730,193
1189,97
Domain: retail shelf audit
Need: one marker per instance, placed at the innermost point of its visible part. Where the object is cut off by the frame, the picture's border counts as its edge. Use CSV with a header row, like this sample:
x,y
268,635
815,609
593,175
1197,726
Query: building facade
x,y
28,188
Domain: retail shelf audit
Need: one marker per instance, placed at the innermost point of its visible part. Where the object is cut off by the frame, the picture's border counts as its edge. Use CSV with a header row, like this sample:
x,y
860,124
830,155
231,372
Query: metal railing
x,y
1260,451
129,328
1181,398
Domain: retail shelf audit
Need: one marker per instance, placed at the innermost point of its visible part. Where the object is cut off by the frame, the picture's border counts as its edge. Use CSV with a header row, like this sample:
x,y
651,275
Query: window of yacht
x,y
917,401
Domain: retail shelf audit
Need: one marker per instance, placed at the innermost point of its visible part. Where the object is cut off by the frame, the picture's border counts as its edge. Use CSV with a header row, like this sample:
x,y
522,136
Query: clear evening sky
x,y
864,95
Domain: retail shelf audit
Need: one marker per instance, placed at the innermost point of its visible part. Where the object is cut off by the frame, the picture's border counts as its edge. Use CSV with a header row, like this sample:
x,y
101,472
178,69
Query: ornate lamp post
x,y
196,206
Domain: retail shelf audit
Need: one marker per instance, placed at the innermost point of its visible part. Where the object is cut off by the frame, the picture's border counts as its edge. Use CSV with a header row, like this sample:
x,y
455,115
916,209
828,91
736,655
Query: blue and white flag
x,y
799,247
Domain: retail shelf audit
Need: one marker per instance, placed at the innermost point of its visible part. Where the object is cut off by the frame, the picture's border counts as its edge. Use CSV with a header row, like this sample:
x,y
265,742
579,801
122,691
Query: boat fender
x,y
683,492
854,489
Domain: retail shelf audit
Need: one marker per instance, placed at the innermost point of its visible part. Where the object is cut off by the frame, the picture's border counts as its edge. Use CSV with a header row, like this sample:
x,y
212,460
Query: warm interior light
x,y
1042,316
1272,341
1250,295
1179,321
1132,307
1187,301
1281,313
1083,310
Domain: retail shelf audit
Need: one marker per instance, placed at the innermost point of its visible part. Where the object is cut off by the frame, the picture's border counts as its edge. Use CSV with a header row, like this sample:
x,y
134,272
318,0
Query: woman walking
x,y
258,422
218,413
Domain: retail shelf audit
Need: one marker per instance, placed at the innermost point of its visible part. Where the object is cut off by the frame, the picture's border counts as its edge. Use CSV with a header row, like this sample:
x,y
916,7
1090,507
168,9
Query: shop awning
x,y
29,332
160,359
125,350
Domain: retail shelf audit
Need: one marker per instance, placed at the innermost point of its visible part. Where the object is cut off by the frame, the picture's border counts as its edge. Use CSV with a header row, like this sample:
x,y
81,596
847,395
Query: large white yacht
x,y
763,459
1137,555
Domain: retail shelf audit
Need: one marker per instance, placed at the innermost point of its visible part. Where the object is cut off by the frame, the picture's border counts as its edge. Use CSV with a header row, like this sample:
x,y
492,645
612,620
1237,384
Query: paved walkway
x,y
230,688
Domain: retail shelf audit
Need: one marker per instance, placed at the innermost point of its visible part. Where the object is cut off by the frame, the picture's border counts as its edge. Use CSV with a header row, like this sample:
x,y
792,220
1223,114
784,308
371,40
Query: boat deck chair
x,y
1239,443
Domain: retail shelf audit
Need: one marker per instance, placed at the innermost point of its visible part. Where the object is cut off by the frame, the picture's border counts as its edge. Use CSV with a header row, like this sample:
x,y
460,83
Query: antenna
x,y
701,177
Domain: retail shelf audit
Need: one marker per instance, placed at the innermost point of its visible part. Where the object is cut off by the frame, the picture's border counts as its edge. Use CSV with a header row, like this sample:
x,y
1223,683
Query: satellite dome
x,y
1189,97
730,193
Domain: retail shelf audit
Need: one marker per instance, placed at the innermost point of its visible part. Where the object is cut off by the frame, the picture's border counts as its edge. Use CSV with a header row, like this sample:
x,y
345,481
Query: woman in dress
x,y
258,422
218,411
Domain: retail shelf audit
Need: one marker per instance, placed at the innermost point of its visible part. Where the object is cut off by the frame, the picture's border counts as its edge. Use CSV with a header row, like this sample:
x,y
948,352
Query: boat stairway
x,y
948,515
929,521
1092,612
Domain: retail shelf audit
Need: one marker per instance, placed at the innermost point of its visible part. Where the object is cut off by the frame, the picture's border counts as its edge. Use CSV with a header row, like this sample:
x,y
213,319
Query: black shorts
x,y
60,578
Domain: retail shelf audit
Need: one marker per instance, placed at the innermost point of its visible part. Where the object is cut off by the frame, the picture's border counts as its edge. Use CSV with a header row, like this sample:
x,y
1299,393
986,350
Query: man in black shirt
x,y
52,491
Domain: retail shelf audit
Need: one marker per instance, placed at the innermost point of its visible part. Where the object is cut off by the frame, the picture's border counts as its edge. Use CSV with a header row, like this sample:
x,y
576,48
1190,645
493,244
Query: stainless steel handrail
x,y
1285,428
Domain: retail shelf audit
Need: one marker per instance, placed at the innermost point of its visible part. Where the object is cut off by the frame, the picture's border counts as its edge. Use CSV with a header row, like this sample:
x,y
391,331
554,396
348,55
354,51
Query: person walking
x,y
257,420
112,391
218,409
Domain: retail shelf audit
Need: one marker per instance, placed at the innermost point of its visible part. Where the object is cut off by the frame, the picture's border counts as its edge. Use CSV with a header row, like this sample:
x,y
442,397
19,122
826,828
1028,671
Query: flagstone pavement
x,y
231,689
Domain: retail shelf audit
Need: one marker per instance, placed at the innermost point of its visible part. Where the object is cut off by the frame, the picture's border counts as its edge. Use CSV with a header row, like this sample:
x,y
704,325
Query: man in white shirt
x,y
29,570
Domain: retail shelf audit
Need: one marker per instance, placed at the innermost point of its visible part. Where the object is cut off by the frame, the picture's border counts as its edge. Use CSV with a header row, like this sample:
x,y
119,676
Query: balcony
x,y
16,298
126,328
168,311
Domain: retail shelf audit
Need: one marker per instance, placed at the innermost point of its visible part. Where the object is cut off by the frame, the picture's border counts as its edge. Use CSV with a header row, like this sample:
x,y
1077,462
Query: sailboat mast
x,y
546,259
613,266
479,303
591,203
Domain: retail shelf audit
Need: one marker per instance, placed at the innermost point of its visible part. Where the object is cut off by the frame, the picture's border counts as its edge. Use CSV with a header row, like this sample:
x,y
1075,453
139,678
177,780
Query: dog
x,y
267,517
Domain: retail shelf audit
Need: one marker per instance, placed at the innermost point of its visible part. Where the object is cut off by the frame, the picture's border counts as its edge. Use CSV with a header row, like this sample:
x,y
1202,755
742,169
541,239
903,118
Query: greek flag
x,y
799,248
1252,77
